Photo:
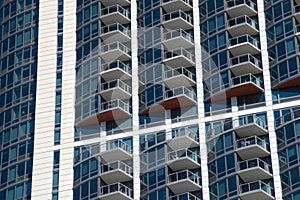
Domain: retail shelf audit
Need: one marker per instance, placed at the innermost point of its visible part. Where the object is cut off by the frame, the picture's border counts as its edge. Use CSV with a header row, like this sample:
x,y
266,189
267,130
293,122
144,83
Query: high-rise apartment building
x,y
150,99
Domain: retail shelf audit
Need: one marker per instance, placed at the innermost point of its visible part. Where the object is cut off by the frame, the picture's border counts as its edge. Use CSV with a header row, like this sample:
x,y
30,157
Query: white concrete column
x,y
66,146
135,101
268,97
200,100
45,102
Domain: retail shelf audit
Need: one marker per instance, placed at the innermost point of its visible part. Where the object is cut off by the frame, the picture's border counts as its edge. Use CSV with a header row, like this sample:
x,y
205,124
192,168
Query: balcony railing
x,y
114,65
242,20
179,132
115,27
115,46
247,78
235,3
184,196
256,185
184,175
109,105
180,91
178,14
115,84
245,58
117,187
178,71
253,163
243,39
251,141
179,52
190,2
117,165
117,144
179,33
183,153
250,119
115,9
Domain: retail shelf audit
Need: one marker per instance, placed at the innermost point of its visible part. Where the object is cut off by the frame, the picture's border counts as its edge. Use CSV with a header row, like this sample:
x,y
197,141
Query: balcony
x,y
252,147
179,77
254,169
238,86
114,110
179,57
115,14
115,32
184,196
245,64
176,20
115,70
256,190
108,3
184,181
173,5
237,8
249,126
116,172
116,191
115,150
115,51
297,13
178,39
244,44
242,25
183,159
115,89
179,97
289,79
183,138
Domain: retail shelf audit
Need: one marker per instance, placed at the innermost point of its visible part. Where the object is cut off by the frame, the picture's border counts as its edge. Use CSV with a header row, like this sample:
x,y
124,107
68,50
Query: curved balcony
x,y
184,181
241,7
116,191
297,13
243,45
115,14
176,20
249,126
183,138
254,169
172,5
290,79
238,86
115,109
242,25
256,190
179,57
115,51
115,150
115,32
183,159
179,77
115,70
184,196
116,172
178,39
245,64
108,3
252,147
174,98
115,89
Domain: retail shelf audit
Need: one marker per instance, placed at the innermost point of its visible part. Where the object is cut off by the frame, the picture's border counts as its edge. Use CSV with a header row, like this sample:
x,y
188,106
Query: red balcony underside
x,y
236,92
94,120
178,102
289,83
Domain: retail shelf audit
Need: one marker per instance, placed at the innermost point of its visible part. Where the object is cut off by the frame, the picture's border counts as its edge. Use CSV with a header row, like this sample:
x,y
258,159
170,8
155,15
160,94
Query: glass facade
x,y
18,39
170,99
